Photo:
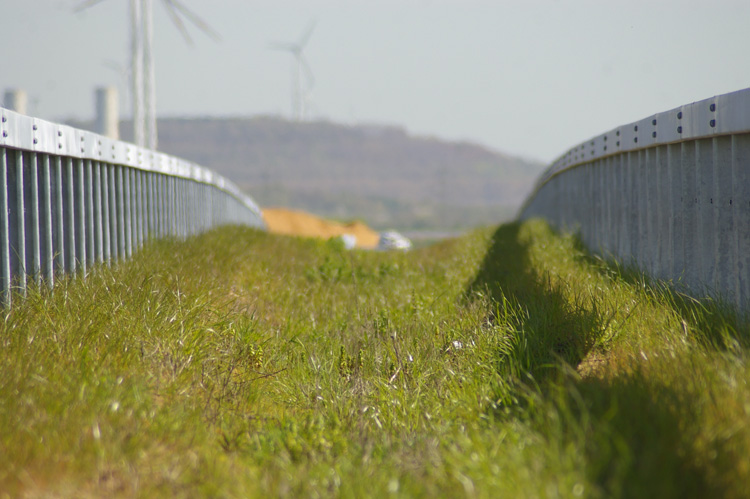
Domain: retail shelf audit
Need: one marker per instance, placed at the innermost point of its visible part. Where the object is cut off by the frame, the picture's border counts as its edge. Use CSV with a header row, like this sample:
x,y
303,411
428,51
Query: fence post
x,y
4,229
48,251
60,256
151,180
183,192
114,221
127,211
99,211
142,190
172,206
70,221
106,218
33,186
121,222
80,204
159,213
20,223
89,199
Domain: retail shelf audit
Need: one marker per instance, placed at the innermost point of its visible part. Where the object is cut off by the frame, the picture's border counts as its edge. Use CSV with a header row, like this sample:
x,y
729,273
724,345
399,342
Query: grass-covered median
x,y
506,363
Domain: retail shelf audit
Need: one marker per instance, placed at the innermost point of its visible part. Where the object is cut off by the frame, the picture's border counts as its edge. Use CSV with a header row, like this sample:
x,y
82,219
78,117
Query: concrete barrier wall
x,y
670,194
71,198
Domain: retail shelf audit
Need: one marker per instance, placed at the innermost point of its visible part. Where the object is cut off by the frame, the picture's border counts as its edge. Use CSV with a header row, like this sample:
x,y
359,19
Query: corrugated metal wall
x,y
70,198
677,205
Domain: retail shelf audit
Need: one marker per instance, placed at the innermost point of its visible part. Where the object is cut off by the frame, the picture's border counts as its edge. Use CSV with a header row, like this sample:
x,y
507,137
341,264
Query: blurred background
x,y
427,116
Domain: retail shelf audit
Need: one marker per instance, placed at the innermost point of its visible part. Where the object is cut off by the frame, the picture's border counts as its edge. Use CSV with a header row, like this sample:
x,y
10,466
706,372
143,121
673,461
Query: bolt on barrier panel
x,y
71,198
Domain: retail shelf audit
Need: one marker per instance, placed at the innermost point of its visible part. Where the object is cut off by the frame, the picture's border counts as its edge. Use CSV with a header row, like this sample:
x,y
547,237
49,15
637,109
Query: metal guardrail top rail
x,y
719,115
23,132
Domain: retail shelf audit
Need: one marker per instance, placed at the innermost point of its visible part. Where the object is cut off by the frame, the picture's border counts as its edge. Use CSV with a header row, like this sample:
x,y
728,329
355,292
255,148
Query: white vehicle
x,y
391,240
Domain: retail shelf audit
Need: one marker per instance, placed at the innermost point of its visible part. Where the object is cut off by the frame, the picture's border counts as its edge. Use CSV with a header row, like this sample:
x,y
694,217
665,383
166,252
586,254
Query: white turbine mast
x,y
300,93
142,74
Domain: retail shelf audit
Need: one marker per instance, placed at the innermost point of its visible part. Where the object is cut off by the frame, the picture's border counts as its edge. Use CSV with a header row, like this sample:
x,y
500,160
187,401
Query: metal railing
x,y
669,193
71,198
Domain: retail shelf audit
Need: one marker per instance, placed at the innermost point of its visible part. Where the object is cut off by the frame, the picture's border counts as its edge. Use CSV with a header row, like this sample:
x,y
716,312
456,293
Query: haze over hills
x,y
379,174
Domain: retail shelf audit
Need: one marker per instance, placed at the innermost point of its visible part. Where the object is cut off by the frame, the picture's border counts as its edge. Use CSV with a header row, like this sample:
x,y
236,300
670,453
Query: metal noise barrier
x,y
71,198
669,194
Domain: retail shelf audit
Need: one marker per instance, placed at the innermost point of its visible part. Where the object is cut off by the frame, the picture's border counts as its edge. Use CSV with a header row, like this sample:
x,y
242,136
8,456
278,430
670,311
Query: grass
x,y
504,363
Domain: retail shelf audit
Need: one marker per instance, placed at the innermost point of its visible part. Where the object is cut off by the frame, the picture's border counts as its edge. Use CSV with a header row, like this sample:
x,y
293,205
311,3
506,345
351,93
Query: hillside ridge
x,y
379,173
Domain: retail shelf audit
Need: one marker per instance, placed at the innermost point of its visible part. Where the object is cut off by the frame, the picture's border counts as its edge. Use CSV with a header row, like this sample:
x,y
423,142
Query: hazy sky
x,y
526,77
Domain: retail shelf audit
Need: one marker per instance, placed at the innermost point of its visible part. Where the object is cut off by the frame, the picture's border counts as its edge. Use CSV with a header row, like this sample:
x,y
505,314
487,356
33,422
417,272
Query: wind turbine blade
x,y
197,21
306,36
177,21
85,5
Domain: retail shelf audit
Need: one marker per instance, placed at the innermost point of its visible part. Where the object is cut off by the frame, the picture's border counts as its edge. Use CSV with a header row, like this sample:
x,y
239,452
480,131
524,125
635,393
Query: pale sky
x,y
528,77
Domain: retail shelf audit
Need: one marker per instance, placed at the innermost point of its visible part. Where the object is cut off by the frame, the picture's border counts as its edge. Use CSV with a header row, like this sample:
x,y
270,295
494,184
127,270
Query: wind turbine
x,y
300,65
142,77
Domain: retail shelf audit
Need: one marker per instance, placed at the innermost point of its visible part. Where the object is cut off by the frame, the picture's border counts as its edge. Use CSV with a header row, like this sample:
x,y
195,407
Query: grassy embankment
x,y
505,363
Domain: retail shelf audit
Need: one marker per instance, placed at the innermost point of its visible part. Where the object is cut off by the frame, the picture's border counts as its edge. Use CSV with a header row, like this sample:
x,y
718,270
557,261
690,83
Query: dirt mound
x,y
299,223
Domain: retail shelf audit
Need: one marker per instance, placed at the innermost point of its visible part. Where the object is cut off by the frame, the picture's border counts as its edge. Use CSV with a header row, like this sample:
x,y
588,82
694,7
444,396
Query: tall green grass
x,y
505,363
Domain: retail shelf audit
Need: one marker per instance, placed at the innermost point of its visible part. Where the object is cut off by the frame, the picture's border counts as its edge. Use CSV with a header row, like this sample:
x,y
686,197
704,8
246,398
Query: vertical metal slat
x,y
120,213
48,251
20,224
33,200
106,215
99,211
59,207
90,224
70,220
5,274
80,216
127,212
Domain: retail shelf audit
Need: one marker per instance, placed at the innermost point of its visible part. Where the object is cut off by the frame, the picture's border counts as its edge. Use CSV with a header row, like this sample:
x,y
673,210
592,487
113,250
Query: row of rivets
x,y
578,153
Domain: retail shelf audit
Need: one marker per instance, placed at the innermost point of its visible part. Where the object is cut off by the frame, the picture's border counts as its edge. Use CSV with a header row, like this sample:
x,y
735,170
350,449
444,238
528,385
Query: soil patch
x,y
300,223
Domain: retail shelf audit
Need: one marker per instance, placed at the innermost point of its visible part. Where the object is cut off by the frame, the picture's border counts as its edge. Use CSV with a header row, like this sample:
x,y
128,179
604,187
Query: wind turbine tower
x,y
300,90
142,75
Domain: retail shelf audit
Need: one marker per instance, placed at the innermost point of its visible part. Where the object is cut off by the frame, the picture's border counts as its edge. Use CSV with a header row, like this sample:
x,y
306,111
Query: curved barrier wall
x,y
669,193
70,198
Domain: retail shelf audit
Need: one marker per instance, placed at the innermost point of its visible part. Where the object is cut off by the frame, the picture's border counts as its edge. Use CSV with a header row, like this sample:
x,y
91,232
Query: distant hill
x,y
380,174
